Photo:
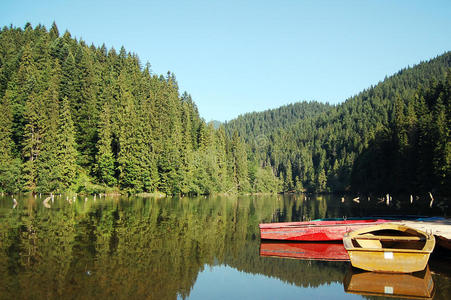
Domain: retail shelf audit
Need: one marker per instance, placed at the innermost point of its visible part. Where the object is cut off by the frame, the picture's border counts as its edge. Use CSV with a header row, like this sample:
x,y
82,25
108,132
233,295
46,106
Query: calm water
x,y
172,248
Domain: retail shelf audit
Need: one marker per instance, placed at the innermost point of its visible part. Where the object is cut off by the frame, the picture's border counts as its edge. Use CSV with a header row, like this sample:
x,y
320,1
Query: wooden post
x,y
432,199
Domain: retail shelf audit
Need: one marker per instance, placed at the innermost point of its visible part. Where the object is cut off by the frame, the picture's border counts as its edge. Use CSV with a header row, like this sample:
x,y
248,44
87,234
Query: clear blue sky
x,y
241,56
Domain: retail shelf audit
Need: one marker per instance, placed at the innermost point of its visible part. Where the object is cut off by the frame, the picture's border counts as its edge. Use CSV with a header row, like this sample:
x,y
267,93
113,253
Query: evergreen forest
x,y
393,137
90,119
84,118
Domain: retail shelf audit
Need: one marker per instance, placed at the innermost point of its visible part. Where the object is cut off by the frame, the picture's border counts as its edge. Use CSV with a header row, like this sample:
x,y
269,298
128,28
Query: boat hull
x,y
388,261
389,248
313,231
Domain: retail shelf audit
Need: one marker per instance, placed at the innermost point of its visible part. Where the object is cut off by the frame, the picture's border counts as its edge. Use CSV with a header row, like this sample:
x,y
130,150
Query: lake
x,y
184,248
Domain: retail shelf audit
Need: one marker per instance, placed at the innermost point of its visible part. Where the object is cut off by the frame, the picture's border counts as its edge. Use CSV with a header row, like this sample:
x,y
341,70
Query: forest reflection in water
x,y
146,248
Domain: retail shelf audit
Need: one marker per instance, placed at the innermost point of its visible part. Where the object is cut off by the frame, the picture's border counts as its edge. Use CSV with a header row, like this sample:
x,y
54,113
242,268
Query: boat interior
x,y
391,239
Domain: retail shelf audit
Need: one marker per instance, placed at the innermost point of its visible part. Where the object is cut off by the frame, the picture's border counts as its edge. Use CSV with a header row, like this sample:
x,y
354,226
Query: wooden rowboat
x,y
314,231
389,247
305,251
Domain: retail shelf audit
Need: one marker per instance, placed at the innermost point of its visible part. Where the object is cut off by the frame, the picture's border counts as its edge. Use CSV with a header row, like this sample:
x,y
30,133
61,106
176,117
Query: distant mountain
x,y
258,124
216,123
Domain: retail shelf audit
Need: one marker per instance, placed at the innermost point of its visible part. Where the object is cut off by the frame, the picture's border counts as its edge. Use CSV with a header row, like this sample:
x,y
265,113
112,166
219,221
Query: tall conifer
x,y
47,162
105,167
9,165
66,151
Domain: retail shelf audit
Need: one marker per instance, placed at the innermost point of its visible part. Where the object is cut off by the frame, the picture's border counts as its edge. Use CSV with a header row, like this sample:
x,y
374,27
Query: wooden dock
x,y
440,228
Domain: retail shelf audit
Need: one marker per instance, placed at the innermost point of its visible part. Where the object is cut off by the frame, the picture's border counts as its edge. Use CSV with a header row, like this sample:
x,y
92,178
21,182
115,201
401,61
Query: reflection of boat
x,y
418,285
389,248
444,242
308,251
316,230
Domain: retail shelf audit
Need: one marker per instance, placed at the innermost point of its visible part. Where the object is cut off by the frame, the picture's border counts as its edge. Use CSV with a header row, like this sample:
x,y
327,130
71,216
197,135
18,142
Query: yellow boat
x,y
388,247
418,285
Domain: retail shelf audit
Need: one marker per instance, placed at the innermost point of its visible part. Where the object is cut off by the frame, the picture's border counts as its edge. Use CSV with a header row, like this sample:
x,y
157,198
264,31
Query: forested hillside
x,y
255,125
392,137
91,119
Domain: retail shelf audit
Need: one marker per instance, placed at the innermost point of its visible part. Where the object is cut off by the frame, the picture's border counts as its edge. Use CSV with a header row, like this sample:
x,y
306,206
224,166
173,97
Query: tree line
x,y
91,119
88,119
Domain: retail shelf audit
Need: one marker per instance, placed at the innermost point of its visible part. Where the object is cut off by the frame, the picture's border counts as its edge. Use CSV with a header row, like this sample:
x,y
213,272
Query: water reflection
x,y
307,251
148,248
418,285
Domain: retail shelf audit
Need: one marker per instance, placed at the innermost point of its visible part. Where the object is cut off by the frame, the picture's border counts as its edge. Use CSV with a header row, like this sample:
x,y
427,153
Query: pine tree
x,y
224,177
239,163
288,180
166,126
47,162
441,144
150,176
187,155
105,167
129,175
9,166
87,112
69,82
32,139
66,151
54,32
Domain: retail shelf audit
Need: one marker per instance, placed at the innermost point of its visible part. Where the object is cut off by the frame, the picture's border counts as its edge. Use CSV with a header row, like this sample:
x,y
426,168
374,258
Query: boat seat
x,y
369,243
390,237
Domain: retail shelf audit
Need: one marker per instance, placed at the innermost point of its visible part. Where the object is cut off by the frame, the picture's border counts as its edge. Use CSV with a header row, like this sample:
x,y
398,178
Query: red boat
x,y
314,231
307,251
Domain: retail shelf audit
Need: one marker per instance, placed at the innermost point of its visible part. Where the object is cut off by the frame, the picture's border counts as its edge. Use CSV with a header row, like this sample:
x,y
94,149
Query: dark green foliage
x,y
413,156
105,161
76,111
75,114
10,167
239,163
48,162
65,146
393,137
